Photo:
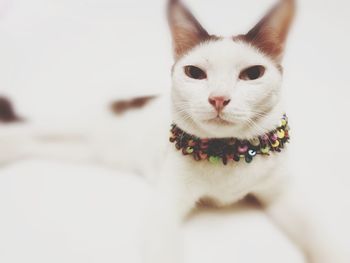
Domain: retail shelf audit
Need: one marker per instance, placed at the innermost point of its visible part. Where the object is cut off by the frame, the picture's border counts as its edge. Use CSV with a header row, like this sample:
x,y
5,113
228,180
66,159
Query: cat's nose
x,y
219,102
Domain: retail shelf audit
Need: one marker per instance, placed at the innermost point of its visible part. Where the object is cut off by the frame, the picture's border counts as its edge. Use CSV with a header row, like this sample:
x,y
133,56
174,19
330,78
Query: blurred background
x,y
66,59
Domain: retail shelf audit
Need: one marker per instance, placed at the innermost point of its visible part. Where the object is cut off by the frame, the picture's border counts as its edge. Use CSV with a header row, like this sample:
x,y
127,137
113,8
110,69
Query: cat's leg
x,y
24,140
20,138
172,200
310,222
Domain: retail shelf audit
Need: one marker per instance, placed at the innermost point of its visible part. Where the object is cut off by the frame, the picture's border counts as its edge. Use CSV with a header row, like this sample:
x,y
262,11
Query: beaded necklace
x,y
230,149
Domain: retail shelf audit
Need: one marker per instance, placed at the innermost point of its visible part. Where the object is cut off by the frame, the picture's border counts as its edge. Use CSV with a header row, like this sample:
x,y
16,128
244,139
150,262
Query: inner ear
x,y
186,30
270,34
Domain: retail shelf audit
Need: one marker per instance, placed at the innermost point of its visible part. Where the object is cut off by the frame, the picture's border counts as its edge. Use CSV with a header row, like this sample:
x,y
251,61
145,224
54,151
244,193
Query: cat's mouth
x,y
219,121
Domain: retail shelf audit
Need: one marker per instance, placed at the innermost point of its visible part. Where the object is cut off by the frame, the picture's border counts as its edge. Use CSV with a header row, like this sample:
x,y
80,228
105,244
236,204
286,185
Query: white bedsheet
x,y
54,212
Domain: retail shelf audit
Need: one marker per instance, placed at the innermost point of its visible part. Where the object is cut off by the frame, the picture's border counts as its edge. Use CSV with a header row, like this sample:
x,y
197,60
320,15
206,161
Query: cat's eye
x,y
252,73
195,73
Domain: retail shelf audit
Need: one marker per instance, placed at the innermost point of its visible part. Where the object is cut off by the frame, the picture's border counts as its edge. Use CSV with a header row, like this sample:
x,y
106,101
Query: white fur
x,y
139,142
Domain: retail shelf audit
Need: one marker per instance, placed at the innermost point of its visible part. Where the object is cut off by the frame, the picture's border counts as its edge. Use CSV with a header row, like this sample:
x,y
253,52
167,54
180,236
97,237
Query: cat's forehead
x,y
223,51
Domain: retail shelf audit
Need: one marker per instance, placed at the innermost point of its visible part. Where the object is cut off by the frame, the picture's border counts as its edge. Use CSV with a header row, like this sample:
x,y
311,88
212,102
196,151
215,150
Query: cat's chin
x,y
217,128
221,127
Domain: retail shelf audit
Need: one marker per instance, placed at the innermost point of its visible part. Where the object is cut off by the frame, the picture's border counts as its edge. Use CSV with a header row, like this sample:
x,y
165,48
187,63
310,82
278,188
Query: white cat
x,y
222,88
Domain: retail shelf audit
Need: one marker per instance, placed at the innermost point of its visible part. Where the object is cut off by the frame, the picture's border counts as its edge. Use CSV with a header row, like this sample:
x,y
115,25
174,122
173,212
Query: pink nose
x,y
219,102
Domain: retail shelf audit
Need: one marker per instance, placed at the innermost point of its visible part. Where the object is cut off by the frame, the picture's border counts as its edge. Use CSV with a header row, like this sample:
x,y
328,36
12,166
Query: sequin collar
x,y
230,149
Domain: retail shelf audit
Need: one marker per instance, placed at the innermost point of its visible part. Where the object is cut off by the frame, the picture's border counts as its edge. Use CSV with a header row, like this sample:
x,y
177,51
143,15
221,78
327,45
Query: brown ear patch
x,y
121,106
270,34
186,31
7,113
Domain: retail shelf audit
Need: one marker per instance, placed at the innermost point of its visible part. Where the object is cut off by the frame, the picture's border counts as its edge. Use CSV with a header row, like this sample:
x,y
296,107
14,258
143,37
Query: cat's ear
x,y
185,29
270,34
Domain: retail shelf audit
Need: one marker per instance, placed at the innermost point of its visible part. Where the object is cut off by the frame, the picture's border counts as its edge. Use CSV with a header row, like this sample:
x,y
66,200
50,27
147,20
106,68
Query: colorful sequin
x,y
230,149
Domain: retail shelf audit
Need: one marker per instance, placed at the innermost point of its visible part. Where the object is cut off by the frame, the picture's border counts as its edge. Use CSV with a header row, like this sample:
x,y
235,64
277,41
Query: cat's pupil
x,y
253,73
195,72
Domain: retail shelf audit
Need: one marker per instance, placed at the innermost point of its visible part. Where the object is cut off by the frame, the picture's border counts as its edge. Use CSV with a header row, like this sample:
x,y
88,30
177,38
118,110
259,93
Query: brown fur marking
x,y
121,106
7,113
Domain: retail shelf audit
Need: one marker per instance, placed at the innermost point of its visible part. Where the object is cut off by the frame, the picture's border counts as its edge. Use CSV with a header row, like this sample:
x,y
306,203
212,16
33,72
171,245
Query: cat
x,y
225,91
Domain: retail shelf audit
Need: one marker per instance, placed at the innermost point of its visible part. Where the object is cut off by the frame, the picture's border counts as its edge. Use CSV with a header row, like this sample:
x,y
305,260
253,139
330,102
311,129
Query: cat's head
x,y
224,87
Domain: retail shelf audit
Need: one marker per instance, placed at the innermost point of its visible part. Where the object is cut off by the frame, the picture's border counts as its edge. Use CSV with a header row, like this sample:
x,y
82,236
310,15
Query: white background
x,y
67,58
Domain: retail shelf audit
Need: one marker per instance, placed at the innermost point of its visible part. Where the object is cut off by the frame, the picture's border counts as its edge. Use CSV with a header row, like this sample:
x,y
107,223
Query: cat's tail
x,y
7,112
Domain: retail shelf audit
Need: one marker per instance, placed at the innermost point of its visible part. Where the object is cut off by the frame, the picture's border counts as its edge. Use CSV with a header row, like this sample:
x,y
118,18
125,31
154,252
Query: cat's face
x,y
247,81
222,87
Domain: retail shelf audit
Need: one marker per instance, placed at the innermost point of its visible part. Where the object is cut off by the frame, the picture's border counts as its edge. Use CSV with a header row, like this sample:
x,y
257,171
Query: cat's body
x,y
118,141
222,87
